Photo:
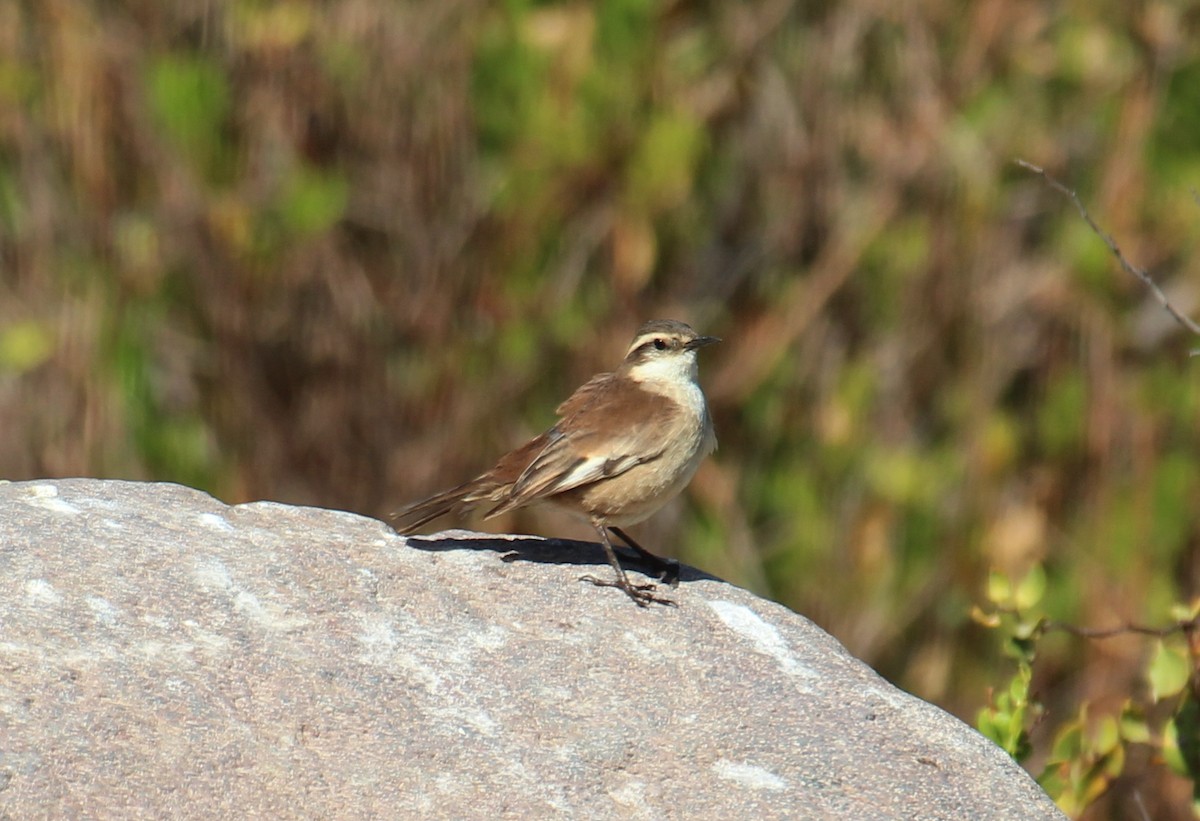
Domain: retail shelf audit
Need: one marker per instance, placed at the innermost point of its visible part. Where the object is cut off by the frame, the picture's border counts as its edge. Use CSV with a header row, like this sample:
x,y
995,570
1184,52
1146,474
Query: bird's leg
x,y
642,594
666,570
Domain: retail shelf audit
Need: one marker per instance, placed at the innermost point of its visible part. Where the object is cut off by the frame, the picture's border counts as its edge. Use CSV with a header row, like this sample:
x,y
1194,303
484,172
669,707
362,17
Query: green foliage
x,y
1088,751
1089,259
509,82
1175,486
1186,736
312,202
1174,155
1086,758
1061,415
624,29
172,443
190,100
907,477
663,165
893,260
11,206
1168,671
1005,718
1010,711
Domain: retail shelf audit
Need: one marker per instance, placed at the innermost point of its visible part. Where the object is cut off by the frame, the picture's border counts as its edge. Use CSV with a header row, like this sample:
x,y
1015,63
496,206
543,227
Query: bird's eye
x,y
660,344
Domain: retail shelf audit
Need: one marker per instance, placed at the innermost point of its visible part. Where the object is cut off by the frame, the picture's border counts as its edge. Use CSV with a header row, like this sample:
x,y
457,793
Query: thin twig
x,y
1140,273
1184,627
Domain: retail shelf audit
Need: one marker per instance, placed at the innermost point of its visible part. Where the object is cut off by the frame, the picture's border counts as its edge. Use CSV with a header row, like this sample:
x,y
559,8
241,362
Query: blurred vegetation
x,y
1089,752
345,253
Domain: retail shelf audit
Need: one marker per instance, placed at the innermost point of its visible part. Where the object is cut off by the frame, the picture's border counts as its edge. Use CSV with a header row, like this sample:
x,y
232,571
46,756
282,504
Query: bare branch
x,y
1140,273
1184,627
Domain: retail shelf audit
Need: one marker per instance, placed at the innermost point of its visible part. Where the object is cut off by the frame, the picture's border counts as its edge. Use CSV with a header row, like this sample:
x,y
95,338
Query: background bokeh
x,y
345,253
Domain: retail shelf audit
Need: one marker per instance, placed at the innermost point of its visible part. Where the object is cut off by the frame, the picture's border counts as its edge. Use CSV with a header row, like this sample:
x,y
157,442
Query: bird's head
x,y
664,349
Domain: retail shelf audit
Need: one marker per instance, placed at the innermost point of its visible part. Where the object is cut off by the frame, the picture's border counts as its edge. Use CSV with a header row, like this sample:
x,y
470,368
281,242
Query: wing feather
x,y
582,448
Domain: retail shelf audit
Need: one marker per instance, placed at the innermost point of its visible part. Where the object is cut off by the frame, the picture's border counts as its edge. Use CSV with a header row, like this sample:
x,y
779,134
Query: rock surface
x,y
163,654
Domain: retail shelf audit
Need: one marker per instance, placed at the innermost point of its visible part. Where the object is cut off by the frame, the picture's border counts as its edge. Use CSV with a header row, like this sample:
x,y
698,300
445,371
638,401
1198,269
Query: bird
x,y
626,442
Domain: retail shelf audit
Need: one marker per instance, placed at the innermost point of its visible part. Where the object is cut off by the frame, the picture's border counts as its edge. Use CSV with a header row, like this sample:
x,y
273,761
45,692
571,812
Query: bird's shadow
x,y
543,550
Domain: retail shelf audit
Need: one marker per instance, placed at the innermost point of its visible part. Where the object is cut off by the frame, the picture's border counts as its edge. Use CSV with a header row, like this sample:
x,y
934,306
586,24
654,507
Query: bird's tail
x,y
455,500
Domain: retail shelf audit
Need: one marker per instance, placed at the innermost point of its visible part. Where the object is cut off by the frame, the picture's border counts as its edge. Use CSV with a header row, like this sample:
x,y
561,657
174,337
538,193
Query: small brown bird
x,y
625,444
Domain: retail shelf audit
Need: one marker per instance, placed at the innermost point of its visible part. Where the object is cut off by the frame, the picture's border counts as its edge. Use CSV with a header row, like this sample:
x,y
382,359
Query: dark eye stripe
x,y
654,345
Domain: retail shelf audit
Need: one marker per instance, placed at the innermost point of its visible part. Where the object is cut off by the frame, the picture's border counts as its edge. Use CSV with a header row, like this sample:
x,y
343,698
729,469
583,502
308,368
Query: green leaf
x,y
1068,745
1185,612
1106,735
1135,730
1027,631
1052,781
1031,589
1170,750
987,722
999,588
1018,688
1168,671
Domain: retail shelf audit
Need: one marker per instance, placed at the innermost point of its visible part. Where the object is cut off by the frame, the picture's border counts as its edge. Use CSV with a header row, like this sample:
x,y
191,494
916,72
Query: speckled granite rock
x,y
164,655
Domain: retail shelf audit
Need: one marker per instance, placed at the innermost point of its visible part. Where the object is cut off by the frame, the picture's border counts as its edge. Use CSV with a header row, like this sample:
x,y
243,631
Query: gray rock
x,y
165,655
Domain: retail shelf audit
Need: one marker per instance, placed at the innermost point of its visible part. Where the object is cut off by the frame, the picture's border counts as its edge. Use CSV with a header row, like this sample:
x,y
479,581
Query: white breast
x,y
675,378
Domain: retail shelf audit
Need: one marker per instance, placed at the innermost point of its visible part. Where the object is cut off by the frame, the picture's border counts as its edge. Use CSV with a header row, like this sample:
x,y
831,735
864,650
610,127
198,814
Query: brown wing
x,y
584,446
515,465
584,395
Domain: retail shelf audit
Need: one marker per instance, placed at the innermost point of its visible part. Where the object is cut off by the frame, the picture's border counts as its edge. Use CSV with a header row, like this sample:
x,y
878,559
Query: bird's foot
x,y
665,570
642,594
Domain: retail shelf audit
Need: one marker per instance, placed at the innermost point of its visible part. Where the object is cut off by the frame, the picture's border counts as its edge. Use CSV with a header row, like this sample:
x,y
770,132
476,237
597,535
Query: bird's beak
x,y
700,342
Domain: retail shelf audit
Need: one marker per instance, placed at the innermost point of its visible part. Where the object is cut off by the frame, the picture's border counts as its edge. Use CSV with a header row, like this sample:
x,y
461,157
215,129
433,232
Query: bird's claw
x,y
642,594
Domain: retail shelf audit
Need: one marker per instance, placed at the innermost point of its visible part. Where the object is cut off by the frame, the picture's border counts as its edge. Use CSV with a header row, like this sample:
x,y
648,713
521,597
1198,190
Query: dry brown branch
x,y
1185,627
1140,273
